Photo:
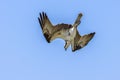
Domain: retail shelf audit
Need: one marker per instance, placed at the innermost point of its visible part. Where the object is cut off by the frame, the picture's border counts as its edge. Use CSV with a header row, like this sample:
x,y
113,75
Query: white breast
x,y
72,33
71,30
69,34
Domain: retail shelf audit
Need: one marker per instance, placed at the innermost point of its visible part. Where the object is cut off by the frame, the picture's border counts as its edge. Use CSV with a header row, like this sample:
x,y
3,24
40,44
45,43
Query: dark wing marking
x,y
46,25
81,41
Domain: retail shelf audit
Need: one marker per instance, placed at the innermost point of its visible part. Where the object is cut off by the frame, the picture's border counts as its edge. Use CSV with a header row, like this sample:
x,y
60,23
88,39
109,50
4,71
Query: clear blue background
x,y
25,54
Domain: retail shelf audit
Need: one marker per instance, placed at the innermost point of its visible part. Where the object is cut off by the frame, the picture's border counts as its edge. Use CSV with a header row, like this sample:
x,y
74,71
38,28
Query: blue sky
x,y
25,54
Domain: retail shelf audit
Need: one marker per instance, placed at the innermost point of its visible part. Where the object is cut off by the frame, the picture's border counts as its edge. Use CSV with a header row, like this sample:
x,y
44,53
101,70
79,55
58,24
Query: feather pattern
x,y
67,32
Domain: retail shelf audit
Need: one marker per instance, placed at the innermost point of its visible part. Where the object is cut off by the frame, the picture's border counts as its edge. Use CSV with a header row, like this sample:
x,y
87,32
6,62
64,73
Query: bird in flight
x,y
67,32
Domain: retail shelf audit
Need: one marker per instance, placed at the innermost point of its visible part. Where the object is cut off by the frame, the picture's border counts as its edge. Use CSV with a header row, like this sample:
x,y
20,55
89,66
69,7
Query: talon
x,y
73,50
65,49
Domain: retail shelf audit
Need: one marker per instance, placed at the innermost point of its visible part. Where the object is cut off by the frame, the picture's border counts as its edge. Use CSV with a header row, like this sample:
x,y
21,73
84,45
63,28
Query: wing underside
x,y
46,25
81,41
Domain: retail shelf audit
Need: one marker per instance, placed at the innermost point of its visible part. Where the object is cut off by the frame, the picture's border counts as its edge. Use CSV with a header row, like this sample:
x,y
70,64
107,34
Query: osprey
x,y
67,32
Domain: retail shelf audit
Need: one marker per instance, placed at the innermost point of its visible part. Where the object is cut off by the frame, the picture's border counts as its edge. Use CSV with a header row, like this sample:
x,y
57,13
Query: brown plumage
x,y
67,32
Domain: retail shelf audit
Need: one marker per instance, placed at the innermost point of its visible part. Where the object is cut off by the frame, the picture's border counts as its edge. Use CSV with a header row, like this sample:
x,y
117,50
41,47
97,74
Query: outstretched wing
x,y
81,41
46,25
60,31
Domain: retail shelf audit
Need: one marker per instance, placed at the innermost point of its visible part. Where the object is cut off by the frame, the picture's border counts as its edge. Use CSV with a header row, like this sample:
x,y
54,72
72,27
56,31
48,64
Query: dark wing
x,y
60,31
46,25
81,41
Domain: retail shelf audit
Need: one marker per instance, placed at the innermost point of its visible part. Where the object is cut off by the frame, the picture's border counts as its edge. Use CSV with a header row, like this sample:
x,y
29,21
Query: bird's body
x,y
67,32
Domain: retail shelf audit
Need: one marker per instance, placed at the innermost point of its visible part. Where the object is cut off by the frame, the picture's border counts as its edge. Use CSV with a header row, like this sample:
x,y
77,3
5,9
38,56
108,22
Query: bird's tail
x,y
77,21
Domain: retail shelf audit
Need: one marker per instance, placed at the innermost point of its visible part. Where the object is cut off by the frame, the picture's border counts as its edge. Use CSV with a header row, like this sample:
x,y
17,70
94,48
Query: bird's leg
x,y
77,22
67,44
73,45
